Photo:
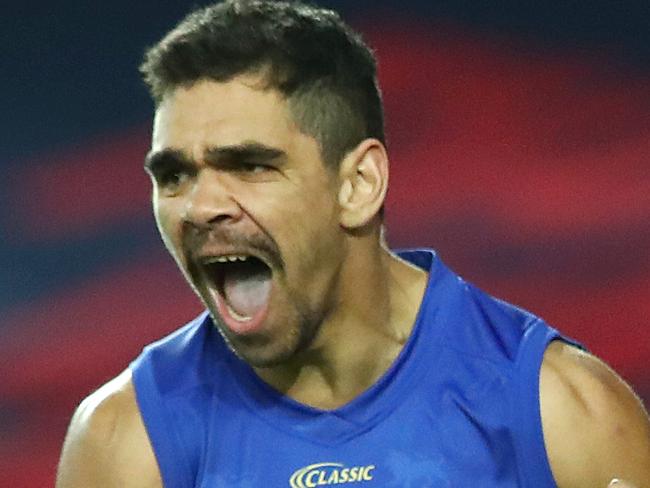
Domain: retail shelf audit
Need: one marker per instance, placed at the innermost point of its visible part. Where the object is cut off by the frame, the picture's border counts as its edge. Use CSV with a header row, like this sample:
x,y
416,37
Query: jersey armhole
x,y
533,465
165,442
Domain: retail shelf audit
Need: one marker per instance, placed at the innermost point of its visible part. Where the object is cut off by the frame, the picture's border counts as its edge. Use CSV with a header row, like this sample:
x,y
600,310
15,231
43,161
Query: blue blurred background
x,y
519,135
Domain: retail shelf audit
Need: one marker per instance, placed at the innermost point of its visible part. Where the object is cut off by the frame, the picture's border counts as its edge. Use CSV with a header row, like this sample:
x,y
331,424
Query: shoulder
x,y
106,444
595,427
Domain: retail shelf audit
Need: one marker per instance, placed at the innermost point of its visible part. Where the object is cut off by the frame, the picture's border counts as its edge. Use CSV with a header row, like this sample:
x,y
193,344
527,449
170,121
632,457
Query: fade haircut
x,y
324,70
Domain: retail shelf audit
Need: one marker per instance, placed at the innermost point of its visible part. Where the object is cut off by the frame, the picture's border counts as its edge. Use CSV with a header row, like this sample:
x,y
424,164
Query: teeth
x,y
228,259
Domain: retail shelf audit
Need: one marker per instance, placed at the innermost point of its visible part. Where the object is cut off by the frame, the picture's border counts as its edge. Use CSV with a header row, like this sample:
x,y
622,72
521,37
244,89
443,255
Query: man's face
x,y
248,210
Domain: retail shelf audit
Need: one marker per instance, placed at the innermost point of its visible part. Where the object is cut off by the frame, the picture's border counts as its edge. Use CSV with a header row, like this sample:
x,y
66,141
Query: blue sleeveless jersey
x,y
458,408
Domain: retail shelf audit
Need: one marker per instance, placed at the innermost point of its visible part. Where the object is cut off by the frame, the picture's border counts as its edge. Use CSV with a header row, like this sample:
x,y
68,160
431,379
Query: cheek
x,y
313,234
304,221
315,200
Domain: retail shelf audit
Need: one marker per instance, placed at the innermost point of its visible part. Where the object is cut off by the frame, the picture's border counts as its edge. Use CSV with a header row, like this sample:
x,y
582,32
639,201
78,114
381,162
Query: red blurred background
x,y
520,154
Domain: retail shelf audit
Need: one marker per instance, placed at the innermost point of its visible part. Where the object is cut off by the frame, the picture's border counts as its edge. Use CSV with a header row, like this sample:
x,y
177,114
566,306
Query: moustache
x,y
197,241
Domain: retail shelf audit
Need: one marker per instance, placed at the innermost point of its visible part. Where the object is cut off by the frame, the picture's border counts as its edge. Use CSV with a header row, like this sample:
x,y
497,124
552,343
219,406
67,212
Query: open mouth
x,y
241,287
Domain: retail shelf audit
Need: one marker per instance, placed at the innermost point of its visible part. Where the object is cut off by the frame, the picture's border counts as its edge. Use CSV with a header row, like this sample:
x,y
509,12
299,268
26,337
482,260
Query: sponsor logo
x,y
325,474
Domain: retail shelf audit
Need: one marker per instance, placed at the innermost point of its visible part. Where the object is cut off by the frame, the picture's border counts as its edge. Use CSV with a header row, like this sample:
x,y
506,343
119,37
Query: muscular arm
x,y
595,427
107,445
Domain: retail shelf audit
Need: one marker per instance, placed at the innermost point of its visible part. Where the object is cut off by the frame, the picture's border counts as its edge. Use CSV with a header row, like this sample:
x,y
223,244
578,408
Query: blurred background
x,y
519,135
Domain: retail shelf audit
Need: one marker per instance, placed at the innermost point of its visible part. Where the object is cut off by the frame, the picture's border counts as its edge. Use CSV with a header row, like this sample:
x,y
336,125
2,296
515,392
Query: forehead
x,y
212,114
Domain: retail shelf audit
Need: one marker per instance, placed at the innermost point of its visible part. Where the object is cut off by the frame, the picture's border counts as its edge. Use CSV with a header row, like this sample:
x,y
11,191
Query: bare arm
x,y
107,445
595,427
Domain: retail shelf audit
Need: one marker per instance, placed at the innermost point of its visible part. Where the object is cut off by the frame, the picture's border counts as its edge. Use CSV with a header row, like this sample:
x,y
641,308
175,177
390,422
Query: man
x,y
324,358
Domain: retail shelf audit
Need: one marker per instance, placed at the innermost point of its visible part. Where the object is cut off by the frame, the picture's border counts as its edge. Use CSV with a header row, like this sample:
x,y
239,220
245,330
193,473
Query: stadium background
x,y
519,135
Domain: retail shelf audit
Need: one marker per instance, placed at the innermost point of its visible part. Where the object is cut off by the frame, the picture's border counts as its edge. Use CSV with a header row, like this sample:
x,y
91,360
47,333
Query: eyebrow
x,y
154,161
246,152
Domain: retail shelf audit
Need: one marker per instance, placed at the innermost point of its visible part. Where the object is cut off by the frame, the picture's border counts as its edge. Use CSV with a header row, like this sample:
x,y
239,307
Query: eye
x,y
255,172
245,166
171,179
258,168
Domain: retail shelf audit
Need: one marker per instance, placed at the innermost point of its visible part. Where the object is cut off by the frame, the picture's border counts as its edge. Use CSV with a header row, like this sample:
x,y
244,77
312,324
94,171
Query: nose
x,y
211,200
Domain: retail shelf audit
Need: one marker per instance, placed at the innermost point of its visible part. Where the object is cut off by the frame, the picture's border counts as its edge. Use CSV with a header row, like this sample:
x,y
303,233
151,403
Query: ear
x,y
363,176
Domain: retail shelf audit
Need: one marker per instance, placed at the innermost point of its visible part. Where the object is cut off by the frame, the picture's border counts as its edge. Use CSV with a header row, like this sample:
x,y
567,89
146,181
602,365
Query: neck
x,y
380,295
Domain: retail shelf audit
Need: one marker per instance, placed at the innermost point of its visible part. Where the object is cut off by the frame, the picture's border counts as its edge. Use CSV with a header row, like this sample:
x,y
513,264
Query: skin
x,y
595,427
341,307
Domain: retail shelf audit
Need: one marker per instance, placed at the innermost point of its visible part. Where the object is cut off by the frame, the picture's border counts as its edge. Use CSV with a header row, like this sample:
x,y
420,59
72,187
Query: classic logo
x,y
324,474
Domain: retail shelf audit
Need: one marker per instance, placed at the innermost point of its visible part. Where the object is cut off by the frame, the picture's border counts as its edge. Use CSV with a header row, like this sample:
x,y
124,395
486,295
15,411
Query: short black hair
x,y
319,65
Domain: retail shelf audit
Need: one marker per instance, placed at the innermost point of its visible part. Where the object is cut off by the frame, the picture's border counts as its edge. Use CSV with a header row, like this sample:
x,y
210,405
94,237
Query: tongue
x,y
246,288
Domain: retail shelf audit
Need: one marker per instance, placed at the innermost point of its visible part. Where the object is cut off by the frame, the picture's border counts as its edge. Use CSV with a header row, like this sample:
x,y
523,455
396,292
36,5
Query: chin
x,y
267,355
265,360
266,350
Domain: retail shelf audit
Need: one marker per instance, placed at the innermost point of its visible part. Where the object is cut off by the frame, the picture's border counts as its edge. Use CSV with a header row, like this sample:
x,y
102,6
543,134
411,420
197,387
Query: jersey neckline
x,y
335,426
